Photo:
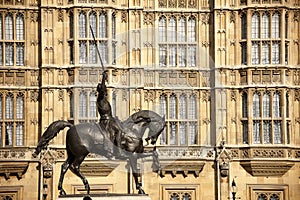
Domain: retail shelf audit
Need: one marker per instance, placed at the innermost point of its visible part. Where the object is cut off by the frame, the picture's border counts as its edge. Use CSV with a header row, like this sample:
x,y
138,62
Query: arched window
x,y
255,53
266,105
82,104
267,132
20,26
8,134
192,107
265,54
265,26
162,29
256,132
182,107
1,27
92,105
20,107
71,25
9,27
256,105
163,112
172,30
182,133
9,106
93,24
102,26
9,54
244,26
255,26
275,53
276,105
182,30
20,54
82,25
173,107
276,25
103,51
192,29
113,25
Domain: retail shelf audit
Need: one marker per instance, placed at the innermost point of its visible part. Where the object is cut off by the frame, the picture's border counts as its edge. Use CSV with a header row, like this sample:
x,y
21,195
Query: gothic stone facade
x,y
224,73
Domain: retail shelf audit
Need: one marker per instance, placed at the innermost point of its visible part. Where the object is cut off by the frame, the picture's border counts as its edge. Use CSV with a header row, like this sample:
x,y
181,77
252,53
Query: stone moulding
x,y
18,169
97,169
184,168
267,168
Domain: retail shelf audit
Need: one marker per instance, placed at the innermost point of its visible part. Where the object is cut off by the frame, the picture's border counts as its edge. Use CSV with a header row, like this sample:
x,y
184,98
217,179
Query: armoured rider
x,y
107,120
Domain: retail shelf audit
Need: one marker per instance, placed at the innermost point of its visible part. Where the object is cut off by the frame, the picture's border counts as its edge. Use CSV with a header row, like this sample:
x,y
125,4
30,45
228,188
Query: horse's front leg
x,y
156,167
133,164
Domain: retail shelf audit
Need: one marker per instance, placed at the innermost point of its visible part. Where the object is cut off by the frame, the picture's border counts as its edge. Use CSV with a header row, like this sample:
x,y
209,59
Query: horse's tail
x,y
51,132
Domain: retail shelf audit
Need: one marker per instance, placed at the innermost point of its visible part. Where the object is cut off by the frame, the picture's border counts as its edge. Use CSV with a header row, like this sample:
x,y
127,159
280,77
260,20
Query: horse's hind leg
x,y
64,169
75,168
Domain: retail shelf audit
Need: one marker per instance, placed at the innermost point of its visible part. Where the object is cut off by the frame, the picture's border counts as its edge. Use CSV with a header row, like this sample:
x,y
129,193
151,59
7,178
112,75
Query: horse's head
x,y
156,127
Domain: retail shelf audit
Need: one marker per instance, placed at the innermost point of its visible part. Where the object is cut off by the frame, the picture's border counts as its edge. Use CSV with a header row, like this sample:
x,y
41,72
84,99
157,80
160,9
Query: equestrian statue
x,y
111,138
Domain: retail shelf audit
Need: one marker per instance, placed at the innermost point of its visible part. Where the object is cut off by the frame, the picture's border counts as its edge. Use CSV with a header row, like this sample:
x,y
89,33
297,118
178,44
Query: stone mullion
x,y
282,36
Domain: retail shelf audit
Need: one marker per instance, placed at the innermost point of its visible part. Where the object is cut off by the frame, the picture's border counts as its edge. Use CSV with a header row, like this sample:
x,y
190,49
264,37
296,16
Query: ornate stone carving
x,y
149,96
34,16
12,154
124,17
162,3
232,17
60,95
183,168
13,169
233,95
181,3
192,4
34,96
205,18
97,169
20,78
263,168
60,15
205,96
148,18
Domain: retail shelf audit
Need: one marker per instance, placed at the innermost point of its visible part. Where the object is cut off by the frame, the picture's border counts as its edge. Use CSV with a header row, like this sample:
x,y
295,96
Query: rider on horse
x,y
107,120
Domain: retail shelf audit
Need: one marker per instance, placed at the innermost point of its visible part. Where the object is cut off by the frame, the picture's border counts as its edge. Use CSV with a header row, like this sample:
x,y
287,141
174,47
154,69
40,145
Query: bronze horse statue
x,y
86,138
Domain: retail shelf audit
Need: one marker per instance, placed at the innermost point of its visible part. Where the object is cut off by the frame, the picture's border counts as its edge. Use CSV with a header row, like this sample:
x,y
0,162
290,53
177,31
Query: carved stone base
x,y
105,197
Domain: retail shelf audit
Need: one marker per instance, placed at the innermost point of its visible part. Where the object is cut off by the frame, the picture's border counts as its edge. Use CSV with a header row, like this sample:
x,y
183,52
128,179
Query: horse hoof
x,y
62,192
87,197
141,191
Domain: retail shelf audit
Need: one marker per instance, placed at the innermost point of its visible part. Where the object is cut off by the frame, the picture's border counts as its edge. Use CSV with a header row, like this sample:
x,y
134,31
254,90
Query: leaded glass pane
x,y
71,22
82,105
267,132
191,56
276,105
20,27
1,54
92,105
256,132
244,53
162,55
181,30
265,27
173,106
20,107
174,196
275,53
20,54
192,107
277,132
255,26
172,55
182,133
173,138
186,196
9,27
256,105
245,132
182,55
162,29
244,26
113,26
0,27
245,105
9,54
163,112
92,53
8,134
265,53
103,51
19,135
262,197
192,133
182,107
93,24
1,111
192,30
9,107
255,53
102,26
82,25
82,52
275,25
172,30
266,105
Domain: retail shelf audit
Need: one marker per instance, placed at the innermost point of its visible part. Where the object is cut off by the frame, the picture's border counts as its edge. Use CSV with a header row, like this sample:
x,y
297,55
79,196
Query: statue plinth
x,y
105,197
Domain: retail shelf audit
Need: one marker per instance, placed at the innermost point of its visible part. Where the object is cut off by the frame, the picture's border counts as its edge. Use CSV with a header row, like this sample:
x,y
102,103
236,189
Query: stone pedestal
x,y
105,197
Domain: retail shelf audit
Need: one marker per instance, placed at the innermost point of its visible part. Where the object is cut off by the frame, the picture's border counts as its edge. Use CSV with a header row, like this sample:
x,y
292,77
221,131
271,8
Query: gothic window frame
x,y
12,119
180,110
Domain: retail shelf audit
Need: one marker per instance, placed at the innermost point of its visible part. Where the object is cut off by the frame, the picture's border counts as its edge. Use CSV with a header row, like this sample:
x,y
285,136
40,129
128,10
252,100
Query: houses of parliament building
x,y
224,73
